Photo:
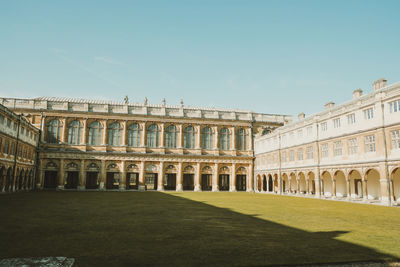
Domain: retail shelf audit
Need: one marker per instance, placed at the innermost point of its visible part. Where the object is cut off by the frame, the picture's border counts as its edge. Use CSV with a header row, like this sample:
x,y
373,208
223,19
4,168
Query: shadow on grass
x,y
151,228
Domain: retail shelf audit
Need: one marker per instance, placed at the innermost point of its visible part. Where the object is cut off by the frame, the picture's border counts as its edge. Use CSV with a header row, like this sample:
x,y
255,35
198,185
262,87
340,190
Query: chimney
x,y
329,105
357,93
379,84
301,116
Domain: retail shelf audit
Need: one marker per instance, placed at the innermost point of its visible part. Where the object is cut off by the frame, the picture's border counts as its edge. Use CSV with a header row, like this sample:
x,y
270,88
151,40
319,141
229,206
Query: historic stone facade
x,y
18,143
350,151
100,145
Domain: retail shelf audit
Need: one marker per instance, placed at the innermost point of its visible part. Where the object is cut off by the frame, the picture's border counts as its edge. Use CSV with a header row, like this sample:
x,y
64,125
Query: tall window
x,y
336,123
309,130
353,147
170,136
395,139
337,148
188,137
54,131
351,118
5,148
300,154
291,155
224,139
75,132
324,151
284,156
324,126
114,134
370,143
206,138
369,113
95,130
134,135
300,133
241,139
310,152
394,106
152,136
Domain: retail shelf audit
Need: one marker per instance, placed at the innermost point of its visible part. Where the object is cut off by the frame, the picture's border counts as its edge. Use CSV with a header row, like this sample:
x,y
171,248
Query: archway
x,y
285,183
355,184
373,185
2,178
258,183
293,183
302,183
264,188
341,186
396,184
270,184
276,183
311,183
8,185
20,181
326,185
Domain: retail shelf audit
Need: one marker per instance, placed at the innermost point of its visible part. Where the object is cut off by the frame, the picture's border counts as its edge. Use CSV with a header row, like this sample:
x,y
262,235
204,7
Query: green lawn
x,y
194,229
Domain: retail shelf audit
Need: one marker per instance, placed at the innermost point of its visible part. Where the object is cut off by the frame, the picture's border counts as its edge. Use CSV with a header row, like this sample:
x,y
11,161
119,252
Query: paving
x,y
38,262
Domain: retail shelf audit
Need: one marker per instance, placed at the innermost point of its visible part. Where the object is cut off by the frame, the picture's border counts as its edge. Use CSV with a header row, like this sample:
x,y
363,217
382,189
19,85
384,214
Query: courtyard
x,y
194,229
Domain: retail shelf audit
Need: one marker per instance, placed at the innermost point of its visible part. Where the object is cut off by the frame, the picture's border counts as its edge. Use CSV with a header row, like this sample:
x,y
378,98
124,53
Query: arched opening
x,y
326,184
341,187
285,183
270,184
50,179
293,183
20,180
2,178
276,184
264,183
355,184
373,185
302,183
311,183
396,184
30,180
258,183
8,186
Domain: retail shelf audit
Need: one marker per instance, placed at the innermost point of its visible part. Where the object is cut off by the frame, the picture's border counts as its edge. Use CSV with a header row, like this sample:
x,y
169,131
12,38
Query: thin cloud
x,y
108,60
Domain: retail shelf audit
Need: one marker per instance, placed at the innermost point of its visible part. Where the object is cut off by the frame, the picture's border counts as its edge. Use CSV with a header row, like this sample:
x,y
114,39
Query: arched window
x,y
114,134
95,130
54,131
224,139
206,138
189,137
170,136
134,135
241,139
152,136
75,133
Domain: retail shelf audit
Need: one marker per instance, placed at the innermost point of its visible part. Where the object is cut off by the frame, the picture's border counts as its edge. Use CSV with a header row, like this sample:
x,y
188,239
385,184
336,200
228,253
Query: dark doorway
x,y
112,181
72,180
265,183
188,182
358,188
206,182
50,179
223,182
8,181
91,180
151,181
132,179
241,182
270,184
170,181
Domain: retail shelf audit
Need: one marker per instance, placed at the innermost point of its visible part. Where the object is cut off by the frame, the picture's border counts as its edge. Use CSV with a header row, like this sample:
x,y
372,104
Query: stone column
x,y
162,137
84,134
43,129
122,180
317,184
298,186
216,137
233,178
348,189
143,134
307,187
82,176
105,133
365,189
179,178
124,132
334,188
198,136
215,178
250,180
62,176
290,184
197,186
180,136
142,176
102,177
160,185
233,143
64,138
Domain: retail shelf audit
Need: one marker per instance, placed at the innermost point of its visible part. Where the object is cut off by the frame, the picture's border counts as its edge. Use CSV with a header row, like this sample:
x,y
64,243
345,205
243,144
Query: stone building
x,y
349,151
101,145
18,148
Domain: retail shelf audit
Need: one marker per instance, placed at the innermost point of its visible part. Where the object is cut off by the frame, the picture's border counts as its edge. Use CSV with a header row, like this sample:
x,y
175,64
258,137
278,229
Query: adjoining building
x,y
18,152
101,145
350,151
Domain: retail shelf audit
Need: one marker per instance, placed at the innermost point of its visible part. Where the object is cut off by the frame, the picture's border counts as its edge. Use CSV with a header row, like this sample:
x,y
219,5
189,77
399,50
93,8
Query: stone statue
x,y
145,101
126,99
181,102
163,102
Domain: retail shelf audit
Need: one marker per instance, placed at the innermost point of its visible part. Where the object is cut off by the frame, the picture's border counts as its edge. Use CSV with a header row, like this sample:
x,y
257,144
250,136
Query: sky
x,y
280,57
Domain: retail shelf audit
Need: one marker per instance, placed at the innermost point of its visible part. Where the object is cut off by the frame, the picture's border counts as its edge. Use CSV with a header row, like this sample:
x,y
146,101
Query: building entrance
x,y
206,182
241,182
151,181
72,180
50,179
170,181
223,182
112,181
92,180
132,179
188,182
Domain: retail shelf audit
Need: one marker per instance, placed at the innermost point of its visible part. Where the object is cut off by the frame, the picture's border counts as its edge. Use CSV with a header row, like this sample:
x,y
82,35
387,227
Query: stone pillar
x,y
334,188
197,186
160,185
215,178
348,189
162,136
103,174
198,136
298,186
250,179
64,138
84,132
317,184
143,134
365,189
233,178
61,181
82,176
180,136
307,187
124,132
122,180
290,184
216,137
179,178
105,133
142,176
43,129
233,140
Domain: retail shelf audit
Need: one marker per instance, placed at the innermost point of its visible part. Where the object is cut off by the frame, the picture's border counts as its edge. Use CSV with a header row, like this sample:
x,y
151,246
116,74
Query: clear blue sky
x,y
268,56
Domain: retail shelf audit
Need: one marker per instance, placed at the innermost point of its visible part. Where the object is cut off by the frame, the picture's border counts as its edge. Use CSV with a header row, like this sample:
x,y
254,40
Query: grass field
x,y
194,229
